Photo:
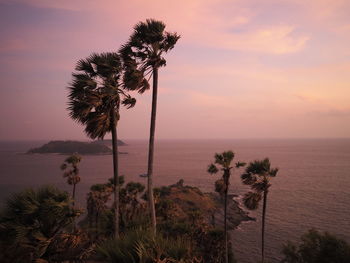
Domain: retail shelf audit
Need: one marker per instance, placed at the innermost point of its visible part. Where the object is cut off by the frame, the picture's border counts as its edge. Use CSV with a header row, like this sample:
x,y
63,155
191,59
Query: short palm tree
x,y
31,221
95,96
97,200
143,56
223,162
71,171
257,175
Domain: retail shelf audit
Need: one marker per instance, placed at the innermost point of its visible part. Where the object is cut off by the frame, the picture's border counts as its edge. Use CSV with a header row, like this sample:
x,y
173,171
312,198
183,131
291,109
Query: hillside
x,y
187,202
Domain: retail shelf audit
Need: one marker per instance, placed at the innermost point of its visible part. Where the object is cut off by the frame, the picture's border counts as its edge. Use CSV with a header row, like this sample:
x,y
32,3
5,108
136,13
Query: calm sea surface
x,y
310,190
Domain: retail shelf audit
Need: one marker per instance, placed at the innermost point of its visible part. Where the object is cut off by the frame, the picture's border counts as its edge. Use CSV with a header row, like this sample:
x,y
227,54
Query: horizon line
x,y
167,139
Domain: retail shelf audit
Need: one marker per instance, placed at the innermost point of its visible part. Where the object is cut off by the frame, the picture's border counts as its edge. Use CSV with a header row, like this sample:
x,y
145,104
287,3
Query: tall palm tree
x,y
223,162
143,56
257,175
95,96
71,171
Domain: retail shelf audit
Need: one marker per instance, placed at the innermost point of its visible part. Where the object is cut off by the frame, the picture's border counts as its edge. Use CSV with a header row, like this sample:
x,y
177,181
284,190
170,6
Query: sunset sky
x,y
242,69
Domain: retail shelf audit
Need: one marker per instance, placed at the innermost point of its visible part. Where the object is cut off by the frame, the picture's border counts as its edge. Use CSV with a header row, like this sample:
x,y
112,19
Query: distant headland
x,y
70,147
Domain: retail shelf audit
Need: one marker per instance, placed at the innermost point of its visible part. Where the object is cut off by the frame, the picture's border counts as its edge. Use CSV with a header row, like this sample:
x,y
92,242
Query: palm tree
x,y
31,221
71,171
97,200
257,175
143,56
95,96
223,160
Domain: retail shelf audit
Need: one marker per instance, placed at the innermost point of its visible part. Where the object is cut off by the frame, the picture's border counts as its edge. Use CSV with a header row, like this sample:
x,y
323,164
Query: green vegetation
x,y
140,245
32,222
71,172
143,56
257,175
224,160
71,147
316,247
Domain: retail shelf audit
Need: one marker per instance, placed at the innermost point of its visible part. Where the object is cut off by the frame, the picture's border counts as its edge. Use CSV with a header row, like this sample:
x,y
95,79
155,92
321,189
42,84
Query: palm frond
x,y
95,92
251,200
85,65
273,172
260,186
212,169
143,52
129,102
248,178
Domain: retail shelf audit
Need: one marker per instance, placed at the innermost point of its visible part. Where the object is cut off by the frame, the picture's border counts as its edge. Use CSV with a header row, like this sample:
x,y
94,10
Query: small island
x,y
70,147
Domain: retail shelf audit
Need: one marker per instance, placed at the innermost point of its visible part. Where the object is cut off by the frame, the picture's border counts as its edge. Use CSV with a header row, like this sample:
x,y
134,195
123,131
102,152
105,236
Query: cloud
x,y
273,39
200,22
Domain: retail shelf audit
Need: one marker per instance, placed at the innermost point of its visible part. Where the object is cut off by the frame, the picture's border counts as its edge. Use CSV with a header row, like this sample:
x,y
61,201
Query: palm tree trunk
x,y
73,205
225,224
151,151
263,228
73,195
116,176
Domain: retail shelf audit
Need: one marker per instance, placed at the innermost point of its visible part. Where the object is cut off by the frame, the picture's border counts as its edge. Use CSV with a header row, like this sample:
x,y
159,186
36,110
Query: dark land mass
x,y
209,206
70,147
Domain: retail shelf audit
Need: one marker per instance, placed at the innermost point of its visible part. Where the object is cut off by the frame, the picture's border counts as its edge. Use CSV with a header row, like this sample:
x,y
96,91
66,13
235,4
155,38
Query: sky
x,y
242,68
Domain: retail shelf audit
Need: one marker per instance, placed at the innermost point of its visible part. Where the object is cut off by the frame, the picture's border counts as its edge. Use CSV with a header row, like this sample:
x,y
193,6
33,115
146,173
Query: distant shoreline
x,y
70,147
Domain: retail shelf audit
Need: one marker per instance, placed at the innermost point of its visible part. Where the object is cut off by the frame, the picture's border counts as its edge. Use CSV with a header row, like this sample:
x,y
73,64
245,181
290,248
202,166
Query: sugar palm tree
x,y
223,162
143,56
71,171
257,175
95,96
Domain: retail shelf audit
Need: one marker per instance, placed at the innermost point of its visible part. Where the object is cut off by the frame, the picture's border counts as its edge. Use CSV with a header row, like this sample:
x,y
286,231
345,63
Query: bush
x,y
140,246
31,221
316,247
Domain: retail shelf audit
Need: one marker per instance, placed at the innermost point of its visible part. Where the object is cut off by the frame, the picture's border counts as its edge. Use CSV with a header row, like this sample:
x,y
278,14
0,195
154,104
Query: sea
x,y
311,189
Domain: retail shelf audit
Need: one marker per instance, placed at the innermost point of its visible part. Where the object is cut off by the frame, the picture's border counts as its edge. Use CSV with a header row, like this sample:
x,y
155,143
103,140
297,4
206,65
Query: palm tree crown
x,y
95,93
257,175
70,166
144,52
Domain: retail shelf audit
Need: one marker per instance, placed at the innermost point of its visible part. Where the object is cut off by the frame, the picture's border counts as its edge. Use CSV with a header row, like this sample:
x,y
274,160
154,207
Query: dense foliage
x,y
32,221
317,247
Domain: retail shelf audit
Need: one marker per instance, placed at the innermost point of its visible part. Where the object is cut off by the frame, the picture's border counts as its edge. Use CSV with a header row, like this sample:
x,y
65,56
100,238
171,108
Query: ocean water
x,y
311,189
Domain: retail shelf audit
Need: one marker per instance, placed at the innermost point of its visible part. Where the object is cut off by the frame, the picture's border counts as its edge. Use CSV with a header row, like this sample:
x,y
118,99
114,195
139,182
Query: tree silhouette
x,y
257,175
223,162
95,96
143,56
71,172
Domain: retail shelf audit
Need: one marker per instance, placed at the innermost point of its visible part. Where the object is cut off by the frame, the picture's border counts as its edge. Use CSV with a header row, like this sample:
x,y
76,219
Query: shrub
x,y
316,247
